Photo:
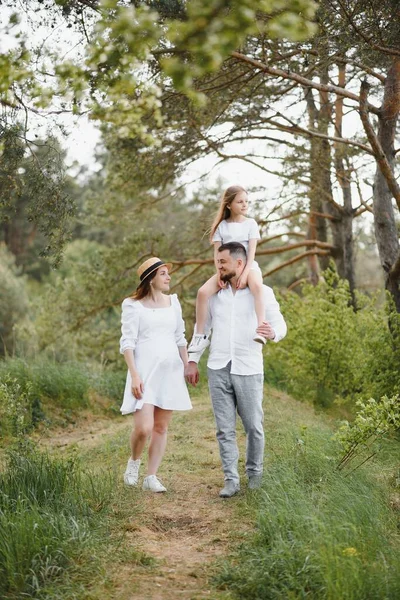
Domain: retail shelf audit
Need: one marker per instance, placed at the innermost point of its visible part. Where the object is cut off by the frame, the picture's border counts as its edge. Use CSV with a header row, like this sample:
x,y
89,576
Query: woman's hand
x,y
137,387
242,280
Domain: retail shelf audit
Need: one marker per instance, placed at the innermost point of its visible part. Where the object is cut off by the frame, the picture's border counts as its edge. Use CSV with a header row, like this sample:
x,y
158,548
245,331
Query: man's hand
x,y
266,331
192,373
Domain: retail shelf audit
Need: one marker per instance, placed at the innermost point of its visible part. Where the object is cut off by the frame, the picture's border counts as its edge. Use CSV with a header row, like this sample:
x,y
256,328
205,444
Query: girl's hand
x,y
221,284
242,281
137,387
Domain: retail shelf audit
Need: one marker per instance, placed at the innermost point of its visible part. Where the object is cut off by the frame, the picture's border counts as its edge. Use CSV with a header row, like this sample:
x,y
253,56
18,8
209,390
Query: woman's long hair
x,y
143,289
224,212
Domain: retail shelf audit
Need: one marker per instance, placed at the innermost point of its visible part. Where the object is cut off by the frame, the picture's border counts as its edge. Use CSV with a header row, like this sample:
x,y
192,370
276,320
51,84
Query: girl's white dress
x,y
154,335
238,232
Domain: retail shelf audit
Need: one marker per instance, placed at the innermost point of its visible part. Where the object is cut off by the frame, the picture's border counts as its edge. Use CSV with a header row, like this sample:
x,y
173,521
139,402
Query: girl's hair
x,y
223,212
143,289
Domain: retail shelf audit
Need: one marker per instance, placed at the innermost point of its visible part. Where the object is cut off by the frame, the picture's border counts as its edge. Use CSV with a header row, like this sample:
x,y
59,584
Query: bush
x,y
17,415
13,300
50,511
333,353
67,384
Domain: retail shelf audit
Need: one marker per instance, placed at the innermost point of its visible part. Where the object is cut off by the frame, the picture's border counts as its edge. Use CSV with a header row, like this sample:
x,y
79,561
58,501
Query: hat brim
x,y
156,267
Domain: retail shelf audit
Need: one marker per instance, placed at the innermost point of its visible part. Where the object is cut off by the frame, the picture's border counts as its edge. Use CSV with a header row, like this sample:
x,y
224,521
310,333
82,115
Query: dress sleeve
x,y
129,325
254,231
217,237
180,323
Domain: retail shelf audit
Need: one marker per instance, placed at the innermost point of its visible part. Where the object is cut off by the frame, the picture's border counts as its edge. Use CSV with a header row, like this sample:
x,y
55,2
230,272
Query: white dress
x,y
154,336
238,232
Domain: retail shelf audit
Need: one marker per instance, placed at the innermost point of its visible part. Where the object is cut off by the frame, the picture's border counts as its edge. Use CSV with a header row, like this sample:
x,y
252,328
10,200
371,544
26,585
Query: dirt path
x,y
174,539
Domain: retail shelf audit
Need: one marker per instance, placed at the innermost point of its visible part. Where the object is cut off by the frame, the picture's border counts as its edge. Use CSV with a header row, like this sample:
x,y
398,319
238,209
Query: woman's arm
x,y
137,383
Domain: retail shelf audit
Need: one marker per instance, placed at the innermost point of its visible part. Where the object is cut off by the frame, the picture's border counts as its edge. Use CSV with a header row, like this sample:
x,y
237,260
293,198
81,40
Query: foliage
x,y
66,384
333,353
111,81
51,511
374,420
13,300
320,535
16,408
35,204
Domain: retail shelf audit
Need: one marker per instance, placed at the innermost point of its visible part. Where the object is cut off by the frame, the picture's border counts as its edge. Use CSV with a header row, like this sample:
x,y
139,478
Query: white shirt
x,y
233,321
237,232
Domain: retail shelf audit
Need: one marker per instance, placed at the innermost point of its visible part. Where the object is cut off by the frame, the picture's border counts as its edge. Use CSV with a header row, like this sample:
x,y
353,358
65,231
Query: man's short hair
x,y
235,249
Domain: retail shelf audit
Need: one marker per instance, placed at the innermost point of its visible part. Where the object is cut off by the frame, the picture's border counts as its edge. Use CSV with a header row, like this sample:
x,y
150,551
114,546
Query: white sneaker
x,y
131,475
199,342
260,339
152,484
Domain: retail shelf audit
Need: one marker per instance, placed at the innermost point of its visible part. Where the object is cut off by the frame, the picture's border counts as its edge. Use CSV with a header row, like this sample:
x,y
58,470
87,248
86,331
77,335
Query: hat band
x,y
147,272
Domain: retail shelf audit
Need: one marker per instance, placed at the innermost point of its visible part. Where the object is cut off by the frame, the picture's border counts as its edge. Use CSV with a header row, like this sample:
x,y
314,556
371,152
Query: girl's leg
x,y
158,439
255,283
144,422
205,292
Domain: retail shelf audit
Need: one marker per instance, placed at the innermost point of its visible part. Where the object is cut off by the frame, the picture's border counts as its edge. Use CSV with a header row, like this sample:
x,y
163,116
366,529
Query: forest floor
x,y
169,546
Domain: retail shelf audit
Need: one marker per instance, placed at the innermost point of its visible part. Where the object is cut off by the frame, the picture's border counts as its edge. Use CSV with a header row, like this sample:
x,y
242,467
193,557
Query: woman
x,y
154,347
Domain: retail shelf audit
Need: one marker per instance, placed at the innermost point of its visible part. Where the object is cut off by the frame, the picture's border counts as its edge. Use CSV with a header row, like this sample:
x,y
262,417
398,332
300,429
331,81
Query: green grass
x,y
52,512
320,534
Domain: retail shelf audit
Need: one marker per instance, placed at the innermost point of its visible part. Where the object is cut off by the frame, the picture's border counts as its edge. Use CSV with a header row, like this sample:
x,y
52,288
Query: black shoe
x,y
230,489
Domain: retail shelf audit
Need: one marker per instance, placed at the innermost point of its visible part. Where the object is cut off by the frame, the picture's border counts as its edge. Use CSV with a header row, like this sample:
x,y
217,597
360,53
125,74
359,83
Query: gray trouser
x,y
243,393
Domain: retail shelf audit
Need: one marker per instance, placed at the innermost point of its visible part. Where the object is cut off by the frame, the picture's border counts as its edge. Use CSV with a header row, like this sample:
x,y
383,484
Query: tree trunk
x,y
344,179
385,224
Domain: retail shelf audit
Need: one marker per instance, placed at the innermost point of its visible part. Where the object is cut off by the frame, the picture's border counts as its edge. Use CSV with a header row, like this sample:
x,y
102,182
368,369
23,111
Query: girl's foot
x,y
199,342
152,484
131,475
260,339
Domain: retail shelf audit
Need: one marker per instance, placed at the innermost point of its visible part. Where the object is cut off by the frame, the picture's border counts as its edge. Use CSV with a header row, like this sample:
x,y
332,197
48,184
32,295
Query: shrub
x,y
13,300
16,408
333,353
67,384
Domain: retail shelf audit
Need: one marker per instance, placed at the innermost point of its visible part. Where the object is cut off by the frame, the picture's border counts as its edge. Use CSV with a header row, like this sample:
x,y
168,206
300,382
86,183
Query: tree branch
x,y
379,153
296,258
302,80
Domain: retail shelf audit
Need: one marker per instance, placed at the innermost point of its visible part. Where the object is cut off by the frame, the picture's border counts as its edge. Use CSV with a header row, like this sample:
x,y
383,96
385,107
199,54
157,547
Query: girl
x,y
231,225
154,347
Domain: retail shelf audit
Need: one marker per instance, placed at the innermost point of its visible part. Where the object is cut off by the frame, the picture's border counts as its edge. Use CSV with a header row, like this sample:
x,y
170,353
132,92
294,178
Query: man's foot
x,y
260,339
152,484
255,482
131,475
230,489
199,342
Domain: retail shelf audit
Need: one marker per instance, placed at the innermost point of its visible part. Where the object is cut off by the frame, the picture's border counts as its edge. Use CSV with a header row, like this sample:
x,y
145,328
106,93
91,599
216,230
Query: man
x,y
235,367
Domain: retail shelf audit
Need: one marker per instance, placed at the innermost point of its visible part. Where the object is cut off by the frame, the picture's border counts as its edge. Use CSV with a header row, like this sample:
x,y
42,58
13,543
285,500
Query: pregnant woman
x,y
154,346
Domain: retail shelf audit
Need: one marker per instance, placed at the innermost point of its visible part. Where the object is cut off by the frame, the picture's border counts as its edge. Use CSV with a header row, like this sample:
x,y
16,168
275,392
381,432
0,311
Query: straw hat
x,y
150,265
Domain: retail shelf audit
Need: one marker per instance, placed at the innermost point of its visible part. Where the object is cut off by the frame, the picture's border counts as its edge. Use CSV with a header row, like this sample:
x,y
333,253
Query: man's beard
x,y
227,276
